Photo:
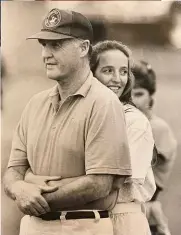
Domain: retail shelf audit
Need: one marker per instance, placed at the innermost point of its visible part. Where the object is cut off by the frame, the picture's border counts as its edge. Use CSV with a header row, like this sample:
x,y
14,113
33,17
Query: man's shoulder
x,y
36,101
100,93
41,96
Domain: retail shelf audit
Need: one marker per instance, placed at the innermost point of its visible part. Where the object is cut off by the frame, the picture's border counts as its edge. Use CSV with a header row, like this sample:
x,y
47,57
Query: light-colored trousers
x,y
31,225
128,219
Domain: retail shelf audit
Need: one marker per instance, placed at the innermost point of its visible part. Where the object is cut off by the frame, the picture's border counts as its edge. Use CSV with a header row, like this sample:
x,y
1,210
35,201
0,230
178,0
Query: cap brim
x,y
46,35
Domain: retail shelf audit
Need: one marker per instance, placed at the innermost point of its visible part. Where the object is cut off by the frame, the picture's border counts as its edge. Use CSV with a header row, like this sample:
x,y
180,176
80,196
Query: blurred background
x,y
152,30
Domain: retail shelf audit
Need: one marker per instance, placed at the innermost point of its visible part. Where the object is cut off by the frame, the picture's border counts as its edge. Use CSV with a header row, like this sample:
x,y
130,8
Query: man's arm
x,y
27,196
80,191
12,175
100,204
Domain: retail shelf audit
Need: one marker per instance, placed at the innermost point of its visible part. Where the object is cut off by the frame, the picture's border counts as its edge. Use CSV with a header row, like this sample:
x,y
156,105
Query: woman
x,y
110,64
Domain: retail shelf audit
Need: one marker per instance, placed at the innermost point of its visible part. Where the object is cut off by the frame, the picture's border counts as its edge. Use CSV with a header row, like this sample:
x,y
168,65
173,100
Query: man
x,y
144,89
75,129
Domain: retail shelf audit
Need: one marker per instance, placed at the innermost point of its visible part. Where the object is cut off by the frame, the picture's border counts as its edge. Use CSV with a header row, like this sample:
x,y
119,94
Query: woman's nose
x,y
116,77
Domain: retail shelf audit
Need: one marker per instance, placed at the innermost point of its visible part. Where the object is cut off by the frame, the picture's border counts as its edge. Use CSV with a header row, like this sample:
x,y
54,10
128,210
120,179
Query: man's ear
x,y
84,48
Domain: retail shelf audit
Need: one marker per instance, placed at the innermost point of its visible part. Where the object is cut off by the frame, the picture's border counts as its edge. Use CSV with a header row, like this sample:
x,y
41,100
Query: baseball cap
x,y
62,24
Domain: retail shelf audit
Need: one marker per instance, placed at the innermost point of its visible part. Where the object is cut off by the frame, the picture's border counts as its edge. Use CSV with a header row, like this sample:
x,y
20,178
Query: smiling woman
x,y
110,73
110,64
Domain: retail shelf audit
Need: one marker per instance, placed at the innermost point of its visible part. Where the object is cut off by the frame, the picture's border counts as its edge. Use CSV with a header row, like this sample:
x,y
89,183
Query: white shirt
x,y
140,186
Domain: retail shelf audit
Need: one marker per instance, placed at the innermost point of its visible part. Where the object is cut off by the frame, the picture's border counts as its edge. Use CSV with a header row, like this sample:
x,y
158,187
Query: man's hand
x,y
39,179
29,199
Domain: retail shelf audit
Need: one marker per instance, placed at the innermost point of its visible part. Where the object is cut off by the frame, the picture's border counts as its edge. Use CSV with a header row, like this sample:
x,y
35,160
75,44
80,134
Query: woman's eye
x,y
107,70
124,72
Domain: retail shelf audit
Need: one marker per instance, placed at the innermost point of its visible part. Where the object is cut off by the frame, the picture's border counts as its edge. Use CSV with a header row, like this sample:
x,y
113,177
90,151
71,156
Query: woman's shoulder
x,y
135,118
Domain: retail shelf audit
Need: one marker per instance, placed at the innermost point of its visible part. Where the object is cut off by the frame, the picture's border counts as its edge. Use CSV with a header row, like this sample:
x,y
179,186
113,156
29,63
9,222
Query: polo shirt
x,y
140,187
85,135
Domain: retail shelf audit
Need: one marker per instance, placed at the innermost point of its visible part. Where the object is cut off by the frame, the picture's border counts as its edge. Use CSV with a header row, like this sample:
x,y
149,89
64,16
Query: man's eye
x,y
42,43
56,45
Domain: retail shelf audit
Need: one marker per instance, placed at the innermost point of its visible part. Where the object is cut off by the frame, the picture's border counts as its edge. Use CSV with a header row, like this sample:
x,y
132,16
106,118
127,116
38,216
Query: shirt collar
x,y
83,90
54,91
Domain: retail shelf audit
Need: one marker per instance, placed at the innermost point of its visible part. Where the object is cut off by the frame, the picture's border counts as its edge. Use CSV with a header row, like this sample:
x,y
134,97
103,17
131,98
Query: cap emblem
x,y
53,19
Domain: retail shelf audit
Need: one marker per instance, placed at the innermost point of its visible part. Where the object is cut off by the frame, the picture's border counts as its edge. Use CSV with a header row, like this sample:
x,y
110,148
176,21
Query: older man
x,y
74,130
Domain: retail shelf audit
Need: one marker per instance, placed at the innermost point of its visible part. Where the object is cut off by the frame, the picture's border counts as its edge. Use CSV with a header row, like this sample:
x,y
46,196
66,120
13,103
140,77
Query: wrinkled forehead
x,y
68,43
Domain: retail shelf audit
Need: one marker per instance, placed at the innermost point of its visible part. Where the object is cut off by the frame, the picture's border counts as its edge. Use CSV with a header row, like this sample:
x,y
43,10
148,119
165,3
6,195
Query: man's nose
x,y
46,52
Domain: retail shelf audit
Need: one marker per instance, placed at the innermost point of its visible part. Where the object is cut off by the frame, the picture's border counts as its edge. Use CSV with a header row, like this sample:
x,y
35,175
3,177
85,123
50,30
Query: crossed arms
x,y
102,151
52,194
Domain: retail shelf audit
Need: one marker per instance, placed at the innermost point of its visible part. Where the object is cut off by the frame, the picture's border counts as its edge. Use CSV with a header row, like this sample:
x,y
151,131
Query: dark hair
x,y
103,46
145,76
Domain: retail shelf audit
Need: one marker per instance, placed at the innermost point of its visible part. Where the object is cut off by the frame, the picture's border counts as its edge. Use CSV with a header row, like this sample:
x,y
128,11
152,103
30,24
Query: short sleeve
x,y
106,147
18,156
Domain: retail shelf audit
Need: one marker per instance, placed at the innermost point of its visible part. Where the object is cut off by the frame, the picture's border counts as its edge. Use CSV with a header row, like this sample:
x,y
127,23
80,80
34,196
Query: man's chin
x,y
52,76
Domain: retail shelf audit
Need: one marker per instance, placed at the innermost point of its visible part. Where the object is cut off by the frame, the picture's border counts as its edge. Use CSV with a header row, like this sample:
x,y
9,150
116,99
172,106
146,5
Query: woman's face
x,y
112,70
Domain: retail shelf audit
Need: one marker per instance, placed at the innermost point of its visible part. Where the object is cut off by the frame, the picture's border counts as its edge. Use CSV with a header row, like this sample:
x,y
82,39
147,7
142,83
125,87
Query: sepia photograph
x,y
90,117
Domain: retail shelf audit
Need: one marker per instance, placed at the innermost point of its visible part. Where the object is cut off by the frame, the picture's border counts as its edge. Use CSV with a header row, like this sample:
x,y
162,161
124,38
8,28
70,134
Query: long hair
x,y
107,45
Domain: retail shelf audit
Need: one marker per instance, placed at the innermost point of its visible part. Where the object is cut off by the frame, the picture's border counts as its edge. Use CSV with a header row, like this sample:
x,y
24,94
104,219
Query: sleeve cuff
x,y
109,171
18,163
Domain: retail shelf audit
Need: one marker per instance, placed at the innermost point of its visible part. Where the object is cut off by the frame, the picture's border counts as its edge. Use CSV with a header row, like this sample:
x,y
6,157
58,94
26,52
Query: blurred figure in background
x,y
142,94
174,22
3,72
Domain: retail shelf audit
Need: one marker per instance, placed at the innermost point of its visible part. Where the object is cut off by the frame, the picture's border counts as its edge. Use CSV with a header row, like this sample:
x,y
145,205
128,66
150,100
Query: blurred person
x,y
75,131
171,26
3,73
174,22
111,65
142,95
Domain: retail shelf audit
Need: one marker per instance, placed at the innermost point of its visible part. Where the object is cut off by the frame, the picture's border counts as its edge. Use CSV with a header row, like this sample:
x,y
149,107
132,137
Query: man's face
x,y
61,57
141,98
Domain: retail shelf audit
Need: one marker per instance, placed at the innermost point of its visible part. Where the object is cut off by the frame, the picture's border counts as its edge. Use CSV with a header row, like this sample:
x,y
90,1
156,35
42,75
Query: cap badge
x,y
53,19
